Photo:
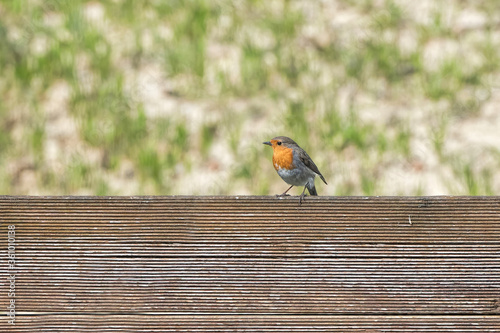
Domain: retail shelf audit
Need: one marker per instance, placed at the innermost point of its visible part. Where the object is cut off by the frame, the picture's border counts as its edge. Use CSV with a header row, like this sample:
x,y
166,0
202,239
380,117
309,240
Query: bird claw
x,y
282,195
301,198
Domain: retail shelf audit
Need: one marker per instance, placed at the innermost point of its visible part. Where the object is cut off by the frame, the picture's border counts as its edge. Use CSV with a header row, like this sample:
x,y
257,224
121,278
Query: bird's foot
x,y
301,198
282,195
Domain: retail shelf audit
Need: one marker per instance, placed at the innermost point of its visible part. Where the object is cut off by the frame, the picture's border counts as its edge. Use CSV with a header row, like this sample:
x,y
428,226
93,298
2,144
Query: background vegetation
x,y
176,97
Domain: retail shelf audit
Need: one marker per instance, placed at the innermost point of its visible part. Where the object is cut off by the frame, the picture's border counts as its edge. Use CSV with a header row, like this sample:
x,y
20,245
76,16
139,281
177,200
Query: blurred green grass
x,y
364,97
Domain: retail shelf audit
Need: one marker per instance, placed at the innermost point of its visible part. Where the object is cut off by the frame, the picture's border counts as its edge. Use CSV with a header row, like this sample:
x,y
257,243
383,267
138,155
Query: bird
x,y
294,165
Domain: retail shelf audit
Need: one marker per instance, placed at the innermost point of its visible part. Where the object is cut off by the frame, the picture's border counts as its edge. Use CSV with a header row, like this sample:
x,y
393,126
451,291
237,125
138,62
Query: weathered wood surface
x,y
198,264
256,323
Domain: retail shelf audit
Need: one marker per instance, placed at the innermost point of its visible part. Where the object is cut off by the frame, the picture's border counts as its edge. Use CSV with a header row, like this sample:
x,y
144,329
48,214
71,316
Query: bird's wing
x,y
304,157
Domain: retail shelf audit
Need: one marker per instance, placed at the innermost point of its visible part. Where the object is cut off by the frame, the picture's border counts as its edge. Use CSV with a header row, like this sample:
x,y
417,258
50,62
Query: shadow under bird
x,y
294,165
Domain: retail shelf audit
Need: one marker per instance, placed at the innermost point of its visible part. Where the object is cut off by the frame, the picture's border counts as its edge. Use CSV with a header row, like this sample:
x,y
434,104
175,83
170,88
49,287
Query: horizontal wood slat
x,y
253,263
257,323
262,286
256,226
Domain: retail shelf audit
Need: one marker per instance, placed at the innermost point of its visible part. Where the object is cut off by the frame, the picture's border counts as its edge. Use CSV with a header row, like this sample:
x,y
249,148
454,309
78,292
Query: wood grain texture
x,y
254,263
257,323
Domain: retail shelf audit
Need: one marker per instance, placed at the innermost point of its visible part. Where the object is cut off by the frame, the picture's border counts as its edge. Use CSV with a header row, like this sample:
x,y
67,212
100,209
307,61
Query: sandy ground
x,y
472,138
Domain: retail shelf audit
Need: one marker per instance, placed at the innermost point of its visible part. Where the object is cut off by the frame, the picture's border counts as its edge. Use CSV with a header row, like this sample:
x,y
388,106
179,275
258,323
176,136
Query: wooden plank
x,y
250,323
254,263
260,285
256,226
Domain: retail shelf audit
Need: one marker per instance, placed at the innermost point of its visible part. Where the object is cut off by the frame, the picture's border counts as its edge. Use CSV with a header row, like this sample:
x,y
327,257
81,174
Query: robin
x,y
294,165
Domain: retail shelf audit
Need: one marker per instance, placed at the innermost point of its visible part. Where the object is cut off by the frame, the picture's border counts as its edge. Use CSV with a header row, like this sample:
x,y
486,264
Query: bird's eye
x,y
279,143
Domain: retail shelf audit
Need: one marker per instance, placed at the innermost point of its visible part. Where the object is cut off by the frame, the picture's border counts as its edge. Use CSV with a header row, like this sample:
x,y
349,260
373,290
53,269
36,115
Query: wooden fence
x,y
253,264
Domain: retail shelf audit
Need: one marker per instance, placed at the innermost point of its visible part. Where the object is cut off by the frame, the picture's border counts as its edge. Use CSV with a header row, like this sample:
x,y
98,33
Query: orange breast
x,y
282,158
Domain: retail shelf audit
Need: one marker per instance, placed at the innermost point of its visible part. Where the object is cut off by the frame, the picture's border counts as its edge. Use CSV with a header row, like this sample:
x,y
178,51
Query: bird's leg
x,y
284,193
302,196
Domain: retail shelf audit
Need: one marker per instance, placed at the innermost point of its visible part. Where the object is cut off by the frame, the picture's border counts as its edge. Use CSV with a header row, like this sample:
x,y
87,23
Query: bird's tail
x,y
311,189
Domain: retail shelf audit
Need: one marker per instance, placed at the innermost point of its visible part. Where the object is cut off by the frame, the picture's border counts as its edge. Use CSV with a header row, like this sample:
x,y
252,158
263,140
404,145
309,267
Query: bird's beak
x,y
267,143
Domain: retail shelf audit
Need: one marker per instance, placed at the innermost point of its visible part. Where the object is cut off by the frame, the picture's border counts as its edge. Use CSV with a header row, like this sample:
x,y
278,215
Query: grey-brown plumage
x,y
307,160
